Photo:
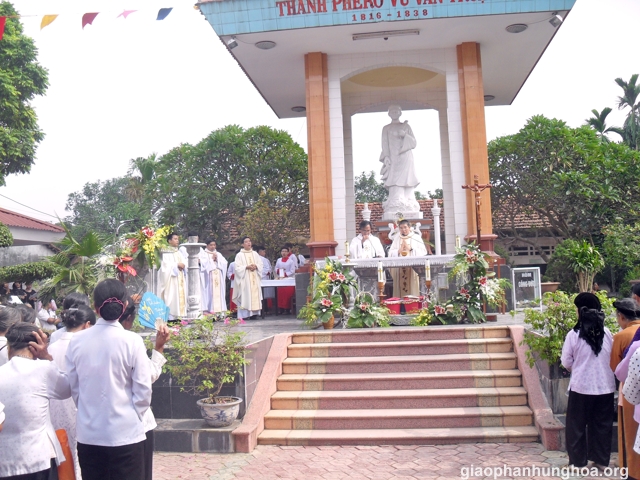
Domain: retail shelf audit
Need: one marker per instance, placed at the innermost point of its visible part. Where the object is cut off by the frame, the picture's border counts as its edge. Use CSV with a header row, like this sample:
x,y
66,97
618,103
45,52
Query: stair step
x,y
390,399
400,381
400,335
401,363
399,418
417,436
384,349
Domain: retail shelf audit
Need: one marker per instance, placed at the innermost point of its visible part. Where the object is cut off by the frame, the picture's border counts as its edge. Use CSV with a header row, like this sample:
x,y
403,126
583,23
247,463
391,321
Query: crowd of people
x,y
250,266
58,417
601,363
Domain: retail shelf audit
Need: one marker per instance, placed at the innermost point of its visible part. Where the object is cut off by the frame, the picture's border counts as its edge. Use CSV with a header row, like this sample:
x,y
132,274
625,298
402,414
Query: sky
x,y
121,89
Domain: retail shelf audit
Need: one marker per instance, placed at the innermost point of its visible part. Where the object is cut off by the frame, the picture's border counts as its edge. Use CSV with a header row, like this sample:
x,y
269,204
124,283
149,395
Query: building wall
x,y
18,255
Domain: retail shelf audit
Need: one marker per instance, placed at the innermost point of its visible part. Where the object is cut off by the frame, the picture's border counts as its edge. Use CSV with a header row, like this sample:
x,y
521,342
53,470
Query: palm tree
x,y
629,98
598,123
141,172
76,265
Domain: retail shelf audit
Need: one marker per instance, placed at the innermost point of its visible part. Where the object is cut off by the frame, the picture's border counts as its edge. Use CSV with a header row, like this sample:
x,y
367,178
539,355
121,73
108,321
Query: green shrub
x,y
6,239
28,272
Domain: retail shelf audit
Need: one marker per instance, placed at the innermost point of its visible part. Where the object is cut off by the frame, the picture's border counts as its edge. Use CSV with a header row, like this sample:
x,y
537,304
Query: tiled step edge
x,y
417,436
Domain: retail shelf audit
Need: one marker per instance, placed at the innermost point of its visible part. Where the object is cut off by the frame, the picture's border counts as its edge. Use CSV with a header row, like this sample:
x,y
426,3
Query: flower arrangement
x,y
330,292
476,285
366,313
205,354
141,247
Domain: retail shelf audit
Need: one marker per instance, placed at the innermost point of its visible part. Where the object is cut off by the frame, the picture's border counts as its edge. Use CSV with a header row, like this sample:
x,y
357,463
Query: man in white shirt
x,y
365,245
110,380
406,243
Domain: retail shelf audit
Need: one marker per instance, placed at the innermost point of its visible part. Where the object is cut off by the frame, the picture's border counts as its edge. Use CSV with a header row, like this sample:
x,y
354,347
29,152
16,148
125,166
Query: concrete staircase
x,y
436,385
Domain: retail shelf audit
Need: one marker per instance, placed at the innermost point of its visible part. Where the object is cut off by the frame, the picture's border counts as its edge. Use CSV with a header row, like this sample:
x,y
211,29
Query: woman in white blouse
x,y
8,316
28,444
63,412
586,353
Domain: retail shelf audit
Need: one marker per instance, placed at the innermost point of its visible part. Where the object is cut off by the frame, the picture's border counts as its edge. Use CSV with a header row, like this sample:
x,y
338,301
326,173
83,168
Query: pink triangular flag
x,y
88,18
3,21
126,13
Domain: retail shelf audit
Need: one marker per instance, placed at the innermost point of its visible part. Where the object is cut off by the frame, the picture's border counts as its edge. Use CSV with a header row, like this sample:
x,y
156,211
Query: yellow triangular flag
x,y
47,20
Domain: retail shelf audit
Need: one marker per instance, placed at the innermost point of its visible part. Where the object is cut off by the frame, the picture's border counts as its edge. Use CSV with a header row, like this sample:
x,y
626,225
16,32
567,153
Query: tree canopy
x,y
21,79
569,177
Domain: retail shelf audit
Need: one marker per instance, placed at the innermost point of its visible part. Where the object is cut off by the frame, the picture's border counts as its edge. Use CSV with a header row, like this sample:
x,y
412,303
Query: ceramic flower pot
x,y
220,414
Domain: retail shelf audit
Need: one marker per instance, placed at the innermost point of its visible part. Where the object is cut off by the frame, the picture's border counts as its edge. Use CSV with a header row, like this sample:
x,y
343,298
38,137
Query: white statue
x,y
398,171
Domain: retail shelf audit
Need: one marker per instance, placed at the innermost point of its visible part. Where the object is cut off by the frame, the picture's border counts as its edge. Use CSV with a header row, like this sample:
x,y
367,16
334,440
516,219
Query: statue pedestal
x,y
411,216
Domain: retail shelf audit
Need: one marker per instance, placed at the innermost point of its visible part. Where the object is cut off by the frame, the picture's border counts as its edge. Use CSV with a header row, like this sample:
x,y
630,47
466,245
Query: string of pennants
x,y
87,18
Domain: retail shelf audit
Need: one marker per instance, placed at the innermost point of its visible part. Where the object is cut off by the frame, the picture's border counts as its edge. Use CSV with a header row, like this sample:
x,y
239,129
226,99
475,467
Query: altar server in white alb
x,y
365,245
172,280
406,243
247,293
213,271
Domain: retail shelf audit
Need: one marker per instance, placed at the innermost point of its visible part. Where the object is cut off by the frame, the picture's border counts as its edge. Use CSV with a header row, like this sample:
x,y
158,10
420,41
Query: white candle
x,y
381,277
427,270
457,241
346,248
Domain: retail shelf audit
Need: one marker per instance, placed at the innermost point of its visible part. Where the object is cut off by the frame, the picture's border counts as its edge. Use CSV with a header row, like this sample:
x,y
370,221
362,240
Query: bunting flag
x,y
47,20
88,18
126,13
163,13
3,22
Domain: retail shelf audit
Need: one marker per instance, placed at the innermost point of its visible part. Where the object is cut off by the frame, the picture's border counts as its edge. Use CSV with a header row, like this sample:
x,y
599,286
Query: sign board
x,y
234,17
527,292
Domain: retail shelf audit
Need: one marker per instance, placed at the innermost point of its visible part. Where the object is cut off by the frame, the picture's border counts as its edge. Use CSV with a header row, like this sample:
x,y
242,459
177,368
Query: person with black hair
x,y
18,291
28,315
585,353
628,317
365,245
406,243
213,271
8,316
73,300
32,295
110,381
156,362
172,279
285,267
48,318
247,293
63,412
26,386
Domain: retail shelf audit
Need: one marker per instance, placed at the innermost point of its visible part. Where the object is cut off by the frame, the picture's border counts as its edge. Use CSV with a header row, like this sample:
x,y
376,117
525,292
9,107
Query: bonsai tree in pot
x,y
205,354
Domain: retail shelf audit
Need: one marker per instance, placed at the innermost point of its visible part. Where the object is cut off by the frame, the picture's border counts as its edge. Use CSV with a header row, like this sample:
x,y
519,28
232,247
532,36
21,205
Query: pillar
x,y
321,241
474,137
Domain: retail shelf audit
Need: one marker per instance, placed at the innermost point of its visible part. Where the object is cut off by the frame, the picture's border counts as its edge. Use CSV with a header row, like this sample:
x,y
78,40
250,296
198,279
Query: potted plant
x,y
205,354
545,337
330,291
585,261
366,313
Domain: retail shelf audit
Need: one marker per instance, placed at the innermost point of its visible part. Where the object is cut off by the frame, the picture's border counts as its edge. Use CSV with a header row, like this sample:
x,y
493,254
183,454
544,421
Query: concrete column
x,y
435,211
349,178
474,136
194,306
321,241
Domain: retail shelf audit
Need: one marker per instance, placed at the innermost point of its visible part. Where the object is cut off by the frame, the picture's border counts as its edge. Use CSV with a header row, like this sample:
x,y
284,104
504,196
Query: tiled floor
x,y
444,462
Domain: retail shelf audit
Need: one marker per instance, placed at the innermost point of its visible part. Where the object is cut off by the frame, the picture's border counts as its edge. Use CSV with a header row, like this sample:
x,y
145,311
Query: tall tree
x,y
599,123
369,189
630,99
210,186
21,79
576,183
102,207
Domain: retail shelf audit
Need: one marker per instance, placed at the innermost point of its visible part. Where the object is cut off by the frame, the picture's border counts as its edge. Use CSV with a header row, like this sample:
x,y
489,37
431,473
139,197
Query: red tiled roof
x,y
14,219
510,217
376,213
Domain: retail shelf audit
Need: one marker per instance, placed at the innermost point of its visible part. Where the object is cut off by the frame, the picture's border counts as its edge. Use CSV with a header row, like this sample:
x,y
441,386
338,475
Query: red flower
x,y
463,290
325,302
364,306
341,277
148,232
333,276
439,310
122,264
482,281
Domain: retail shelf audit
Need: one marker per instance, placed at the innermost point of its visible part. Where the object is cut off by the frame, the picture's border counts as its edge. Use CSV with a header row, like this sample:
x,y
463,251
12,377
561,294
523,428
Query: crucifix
x,y
477,189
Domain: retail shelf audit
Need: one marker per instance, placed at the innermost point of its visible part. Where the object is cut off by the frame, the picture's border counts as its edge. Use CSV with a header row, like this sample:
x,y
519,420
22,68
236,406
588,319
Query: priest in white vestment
x,y
213,271
365,245
172,280
406,243
247,293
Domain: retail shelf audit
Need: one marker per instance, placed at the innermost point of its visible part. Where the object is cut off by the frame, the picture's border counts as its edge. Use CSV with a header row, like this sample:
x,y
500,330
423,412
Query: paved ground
x,y
446,462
